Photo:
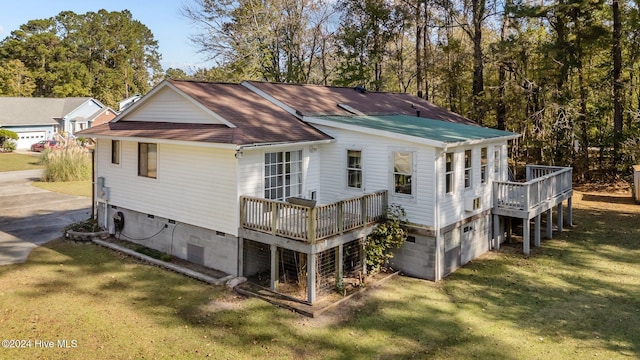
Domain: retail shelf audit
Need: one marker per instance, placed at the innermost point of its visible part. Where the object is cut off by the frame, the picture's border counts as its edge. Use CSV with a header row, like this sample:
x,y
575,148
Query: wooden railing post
x,y
363,210
340,219
311,230
274,217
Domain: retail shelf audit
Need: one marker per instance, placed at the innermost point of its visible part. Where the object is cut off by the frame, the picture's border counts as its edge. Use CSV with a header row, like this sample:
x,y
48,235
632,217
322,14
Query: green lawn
x,y
576,297
14,162
79,188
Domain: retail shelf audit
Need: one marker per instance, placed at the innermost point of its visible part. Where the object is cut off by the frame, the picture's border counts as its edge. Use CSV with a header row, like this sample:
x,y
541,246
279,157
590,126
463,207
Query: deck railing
x,y
310,224
543,184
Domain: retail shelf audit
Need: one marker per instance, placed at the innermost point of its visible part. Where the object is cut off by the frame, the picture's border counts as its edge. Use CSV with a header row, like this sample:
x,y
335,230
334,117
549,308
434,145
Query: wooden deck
x,y
545,187
311,224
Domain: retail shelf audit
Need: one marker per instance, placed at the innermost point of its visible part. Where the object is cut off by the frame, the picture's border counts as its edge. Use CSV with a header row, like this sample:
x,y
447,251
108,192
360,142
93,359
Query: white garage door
x,y
25,139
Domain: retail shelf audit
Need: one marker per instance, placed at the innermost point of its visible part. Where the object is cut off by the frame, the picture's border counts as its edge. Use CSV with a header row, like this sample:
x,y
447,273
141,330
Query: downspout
x,y
93,184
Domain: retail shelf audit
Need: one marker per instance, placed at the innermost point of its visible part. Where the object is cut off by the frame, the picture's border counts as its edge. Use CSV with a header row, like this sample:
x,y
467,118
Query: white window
x,y
148,160
496,163
403,172
115,151
282,174
354,169
467,169
483,165
449,172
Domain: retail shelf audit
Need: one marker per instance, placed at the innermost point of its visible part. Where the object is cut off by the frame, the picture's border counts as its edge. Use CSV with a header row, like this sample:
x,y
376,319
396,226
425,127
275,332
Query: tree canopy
x,y
564,73
106,55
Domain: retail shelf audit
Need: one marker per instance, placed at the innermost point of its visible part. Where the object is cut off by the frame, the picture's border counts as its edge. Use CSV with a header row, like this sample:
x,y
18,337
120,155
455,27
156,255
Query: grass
x,y
78,188
15,162
578,296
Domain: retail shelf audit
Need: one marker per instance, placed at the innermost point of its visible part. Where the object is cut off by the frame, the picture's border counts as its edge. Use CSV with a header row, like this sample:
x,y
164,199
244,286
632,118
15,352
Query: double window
x,y
282,174
148,160
354,169
403,172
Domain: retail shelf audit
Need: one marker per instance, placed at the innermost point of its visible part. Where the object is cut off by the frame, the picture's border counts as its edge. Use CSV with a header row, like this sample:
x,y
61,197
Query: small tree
x,y
389,235
8,140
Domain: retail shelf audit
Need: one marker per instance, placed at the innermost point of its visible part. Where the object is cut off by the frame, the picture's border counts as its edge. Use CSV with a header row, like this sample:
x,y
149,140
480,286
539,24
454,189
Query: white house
x,y
35,119
281,183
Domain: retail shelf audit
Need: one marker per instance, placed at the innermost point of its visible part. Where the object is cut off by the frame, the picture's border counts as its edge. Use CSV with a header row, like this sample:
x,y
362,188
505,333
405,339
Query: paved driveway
x,y
30,216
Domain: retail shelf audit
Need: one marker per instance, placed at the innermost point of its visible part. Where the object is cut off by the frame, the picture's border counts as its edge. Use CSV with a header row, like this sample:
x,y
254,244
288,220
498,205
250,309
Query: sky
x,y
162,17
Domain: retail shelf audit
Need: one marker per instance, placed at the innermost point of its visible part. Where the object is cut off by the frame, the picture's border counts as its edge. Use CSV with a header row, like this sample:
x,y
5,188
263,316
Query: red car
x,y
43,144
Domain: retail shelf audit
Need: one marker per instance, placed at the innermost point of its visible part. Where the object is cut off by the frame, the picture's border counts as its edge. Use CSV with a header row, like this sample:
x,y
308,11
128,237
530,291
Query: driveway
x,y
30,216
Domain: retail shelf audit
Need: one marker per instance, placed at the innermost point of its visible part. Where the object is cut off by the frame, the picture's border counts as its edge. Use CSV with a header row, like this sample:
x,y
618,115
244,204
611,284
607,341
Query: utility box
x,y
636,183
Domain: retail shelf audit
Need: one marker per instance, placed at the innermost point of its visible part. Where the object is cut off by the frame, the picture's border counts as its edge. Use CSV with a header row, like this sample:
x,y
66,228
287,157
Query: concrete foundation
x,y
207,247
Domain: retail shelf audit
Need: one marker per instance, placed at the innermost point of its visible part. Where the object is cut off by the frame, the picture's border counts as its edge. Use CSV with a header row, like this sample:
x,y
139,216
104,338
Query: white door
x,y
27,138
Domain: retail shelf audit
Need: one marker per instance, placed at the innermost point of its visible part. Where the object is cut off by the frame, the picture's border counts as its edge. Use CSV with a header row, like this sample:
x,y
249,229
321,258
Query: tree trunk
x,y
617,81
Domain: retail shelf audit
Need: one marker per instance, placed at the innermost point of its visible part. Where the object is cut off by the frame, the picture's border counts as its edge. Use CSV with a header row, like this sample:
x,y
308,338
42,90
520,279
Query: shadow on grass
x,y
579,290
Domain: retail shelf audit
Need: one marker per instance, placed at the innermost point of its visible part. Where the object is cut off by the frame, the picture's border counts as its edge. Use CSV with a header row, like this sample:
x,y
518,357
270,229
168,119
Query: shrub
x,y
71,163
8,140
387,236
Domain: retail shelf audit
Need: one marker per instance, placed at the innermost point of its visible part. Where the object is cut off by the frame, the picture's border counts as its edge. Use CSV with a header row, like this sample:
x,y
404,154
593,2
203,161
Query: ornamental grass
x,y
71,163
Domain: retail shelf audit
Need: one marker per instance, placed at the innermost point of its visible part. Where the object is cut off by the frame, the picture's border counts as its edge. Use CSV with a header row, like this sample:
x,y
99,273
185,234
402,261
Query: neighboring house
x,y
36,119
281,183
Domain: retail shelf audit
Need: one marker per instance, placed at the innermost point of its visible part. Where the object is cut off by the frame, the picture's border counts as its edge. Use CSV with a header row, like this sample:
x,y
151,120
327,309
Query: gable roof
x,y
316,100
17,111
436,133
251,119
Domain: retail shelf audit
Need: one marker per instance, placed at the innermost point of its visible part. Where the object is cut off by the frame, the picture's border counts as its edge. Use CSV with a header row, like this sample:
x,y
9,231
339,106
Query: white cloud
x,y
1,29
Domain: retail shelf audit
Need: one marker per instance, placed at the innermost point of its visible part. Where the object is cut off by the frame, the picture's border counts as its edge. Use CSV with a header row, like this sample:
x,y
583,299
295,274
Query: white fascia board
x,y
162,85
387,134
283,144
270,98
480,141
168,141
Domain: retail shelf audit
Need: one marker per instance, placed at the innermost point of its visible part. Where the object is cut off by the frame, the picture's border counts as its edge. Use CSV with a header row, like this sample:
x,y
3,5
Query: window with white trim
x,y
403,172
483,165
115,152
449,172
148,160
282,174
354,169
467,169
496,163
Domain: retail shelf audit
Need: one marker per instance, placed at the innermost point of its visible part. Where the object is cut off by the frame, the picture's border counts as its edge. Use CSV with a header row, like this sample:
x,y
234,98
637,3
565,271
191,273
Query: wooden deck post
x,y
339,263
274,267
569,212
311,226
526,243
311,278
497,236
549,223
536,241
560,220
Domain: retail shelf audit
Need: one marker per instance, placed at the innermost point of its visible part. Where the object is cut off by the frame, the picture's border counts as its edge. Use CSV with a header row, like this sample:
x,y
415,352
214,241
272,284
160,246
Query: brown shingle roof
x,y
256,119
323,100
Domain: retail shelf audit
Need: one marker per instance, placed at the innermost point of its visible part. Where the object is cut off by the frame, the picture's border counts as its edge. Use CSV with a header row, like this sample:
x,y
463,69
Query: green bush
x,y
389,235
72,163
11,137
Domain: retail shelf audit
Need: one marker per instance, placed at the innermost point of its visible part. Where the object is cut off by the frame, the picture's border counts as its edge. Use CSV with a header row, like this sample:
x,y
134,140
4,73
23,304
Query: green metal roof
x,y
437,131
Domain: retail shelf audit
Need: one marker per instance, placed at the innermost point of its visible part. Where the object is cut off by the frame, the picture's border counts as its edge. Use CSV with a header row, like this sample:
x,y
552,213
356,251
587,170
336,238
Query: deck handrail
x,y
543,183
310,224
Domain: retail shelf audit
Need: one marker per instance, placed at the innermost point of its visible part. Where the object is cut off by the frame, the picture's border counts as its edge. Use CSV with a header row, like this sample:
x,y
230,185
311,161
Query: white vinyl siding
x,y
376,161
196,185
169,106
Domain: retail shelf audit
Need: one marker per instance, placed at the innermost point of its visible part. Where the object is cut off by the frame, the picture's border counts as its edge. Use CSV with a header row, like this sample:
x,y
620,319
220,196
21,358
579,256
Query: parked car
x,y
43,144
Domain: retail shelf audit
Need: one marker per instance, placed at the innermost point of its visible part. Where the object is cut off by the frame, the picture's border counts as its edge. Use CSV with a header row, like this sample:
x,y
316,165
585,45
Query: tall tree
x,y
108,55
